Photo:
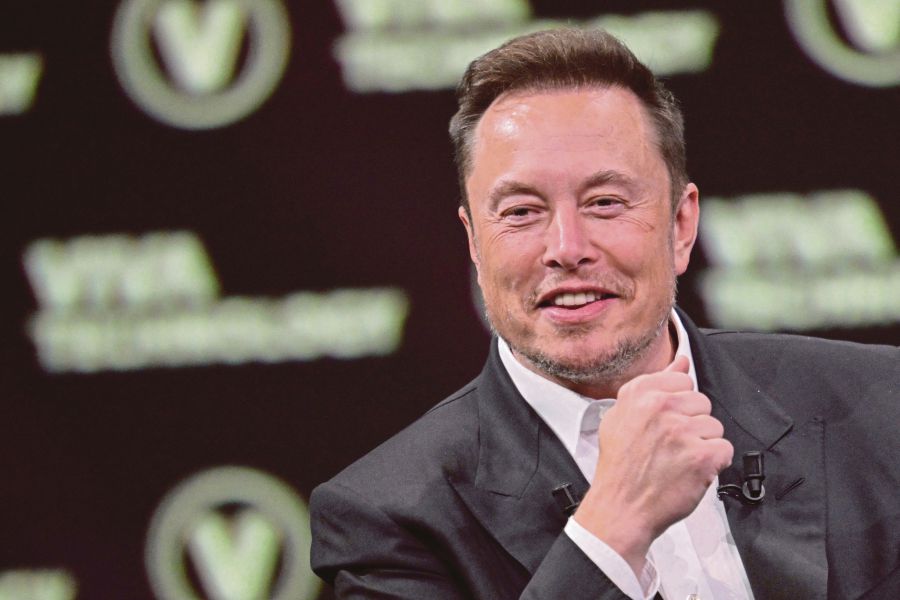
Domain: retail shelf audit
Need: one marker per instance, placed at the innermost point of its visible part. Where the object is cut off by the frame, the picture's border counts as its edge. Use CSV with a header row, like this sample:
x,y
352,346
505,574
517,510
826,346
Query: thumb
x,y
679,365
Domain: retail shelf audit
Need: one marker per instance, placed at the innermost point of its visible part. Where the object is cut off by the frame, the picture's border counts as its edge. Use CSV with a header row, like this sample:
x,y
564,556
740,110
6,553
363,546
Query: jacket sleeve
x,y
567,572
359,550
363,552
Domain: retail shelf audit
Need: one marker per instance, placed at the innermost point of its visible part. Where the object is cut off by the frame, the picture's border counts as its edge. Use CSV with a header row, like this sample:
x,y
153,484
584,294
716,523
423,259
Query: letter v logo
x,y
867,53
235,560
200,45
873,25
260,550
179,59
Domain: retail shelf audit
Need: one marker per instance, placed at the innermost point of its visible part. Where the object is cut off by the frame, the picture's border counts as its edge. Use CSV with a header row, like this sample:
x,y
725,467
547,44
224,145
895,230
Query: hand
x,y
659,451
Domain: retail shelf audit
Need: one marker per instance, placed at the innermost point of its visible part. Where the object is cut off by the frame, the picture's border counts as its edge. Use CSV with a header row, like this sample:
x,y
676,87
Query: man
x,y
580,217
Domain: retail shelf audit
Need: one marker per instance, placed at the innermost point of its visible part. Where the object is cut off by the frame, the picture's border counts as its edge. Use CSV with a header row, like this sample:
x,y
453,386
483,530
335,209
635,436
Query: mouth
x,y
574,299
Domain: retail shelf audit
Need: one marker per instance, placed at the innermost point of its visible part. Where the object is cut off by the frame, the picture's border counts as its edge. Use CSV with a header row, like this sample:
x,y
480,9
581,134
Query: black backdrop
x,y
320,188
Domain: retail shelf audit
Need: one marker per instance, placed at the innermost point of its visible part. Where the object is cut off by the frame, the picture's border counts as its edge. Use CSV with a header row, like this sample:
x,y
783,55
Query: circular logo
x,y
872,59
180,60
247,533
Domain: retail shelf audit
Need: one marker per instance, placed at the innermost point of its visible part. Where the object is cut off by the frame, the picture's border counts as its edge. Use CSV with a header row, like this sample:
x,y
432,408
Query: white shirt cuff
x,y
613,565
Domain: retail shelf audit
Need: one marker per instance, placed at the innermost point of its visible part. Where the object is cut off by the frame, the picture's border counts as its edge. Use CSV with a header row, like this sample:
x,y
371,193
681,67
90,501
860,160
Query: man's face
x,y
573,235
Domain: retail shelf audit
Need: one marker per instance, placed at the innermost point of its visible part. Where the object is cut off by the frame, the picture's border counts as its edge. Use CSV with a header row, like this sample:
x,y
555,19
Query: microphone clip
x,y
565,499
752,491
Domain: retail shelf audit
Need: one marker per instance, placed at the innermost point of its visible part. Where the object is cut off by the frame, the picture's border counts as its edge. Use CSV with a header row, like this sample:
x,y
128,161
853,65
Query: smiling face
x,y
573,234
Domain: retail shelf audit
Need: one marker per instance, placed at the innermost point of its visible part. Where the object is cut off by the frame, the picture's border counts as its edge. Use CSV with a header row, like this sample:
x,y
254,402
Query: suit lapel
x,y
520,462
782,540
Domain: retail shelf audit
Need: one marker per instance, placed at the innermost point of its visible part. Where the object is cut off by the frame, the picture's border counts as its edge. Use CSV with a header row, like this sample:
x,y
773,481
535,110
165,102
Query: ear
x,y
470,232
684,226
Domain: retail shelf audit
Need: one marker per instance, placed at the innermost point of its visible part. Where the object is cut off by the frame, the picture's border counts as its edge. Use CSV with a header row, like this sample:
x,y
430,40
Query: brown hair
x,y
560,59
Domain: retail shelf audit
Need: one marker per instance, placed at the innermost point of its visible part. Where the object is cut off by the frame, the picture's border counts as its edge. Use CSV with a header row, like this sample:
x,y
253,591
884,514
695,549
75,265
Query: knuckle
x,y
660,402
680,381
671,401
682,427
722,453
713,426
703,456
673,429
714,456
718,427
696,461
704,406
727,451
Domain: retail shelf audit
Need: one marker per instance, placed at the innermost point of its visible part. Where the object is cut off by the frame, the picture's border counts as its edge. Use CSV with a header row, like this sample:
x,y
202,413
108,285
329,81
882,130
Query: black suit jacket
x,y
459,504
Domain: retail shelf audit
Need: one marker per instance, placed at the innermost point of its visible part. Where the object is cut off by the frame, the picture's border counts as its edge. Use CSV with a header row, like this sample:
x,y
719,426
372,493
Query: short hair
x,y
559,59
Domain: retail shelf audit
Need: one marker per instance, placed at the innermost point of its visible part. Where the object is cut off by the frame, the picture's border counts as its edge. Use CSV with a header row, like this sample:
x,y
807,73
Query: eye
x,y
520,213
606,205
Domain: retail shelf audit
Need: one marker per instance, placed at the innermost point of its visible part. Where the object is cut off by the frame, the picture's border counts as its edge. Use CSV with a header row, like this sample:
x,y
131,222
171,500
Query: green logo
x,y
245,533
869,51
199,81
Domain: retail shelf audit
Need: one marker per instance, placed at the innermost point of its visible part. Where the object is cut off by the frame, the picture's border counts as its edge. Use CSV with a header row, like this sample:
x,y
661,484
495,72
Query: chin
x,y
604,366
576,358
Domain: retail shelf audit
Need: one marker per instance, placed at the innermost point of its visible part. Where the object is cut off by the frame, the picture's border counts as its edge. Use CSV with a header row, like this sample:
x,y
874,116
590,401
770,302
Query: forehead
x,y
545,128
592,110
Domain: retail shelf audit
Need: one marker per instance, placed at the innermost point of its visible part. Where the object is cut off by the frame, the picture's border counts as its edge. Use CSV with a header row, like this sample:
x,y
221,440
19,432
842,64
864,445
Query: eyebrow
x,y
512,187
508,188
605,177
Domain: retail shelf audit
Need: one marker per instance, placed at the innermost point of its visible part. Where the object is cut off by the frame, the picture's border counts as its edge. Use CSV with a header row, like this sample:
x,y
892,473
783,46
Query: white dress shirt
x,y
695,558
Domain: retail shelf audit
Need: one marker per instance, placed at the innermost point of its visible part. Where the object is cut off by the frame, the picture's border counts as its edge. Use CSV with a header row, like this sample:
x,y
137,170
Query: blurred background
x,y
232,262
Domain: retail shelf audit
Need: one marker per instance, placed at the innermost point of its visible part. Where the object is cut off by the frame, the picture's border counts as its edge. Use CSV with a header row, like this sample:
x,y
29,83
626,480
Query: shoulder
x,y
777,351
829,377
419,460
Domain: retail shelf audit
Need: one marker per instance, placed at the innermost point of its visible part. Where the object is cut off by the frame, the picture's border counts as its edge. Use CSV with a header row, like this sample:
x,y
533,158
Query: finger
x,y
723,453
680,364
690,403
662,381
682,402
708,458
705,427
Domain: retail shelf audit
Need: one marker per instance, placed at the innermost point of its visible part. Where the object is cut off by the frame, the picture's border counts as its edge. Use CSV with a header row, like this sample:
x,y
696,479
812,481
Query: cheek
x,y
505,288
507,264
659,274
630,255
648,266
500,279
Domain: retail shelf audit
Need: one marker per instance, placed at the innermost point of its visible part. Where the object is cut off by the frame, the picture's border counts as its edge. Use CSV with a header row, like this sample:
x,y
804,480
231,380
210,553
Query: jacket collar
x,y
520,461
782,540
738,398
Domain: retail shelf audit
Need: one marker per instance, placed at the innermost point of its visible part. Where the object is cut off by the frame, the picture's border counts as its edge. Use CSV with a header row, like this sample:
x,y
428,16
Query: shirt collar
x,y
563,410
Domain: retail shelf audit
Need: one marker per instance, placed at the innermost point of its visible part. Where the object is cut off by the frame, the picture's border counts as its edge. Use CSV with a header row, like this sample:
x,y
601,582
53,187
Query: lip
x,y
571,316
586,312
546,300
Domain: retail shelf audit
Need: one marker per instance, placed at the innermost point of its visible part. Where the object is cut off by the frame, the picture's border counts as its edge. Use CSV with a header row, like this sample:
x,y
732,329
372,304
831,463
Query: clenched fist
x,y
659,451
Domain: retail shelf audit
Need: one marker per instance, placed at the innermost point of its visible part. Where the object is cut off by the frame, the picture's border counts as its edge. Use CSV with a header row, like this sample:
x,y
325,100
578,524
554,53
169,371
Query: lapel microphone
x,y
565,499
752,491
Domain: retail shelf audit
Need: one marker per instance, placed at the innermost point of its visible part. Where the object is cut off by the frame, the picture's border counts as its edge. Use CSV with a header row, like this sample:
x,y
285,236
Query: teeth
x,y
574,299
564,300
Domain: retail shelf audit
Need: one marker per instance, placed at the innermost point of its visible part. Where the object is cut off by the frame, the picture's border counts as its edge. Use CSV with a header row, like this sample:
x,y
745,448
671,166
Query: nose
x,y
568,241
